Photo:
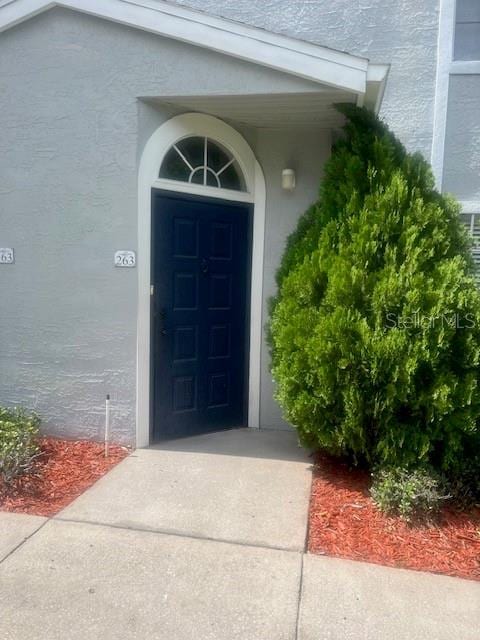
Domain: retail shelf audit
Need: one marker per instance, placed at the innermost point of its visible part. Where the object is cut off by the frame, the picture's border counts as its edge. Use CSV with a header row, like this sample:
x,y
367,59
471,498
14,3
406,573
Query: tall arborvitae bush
x,y
375,330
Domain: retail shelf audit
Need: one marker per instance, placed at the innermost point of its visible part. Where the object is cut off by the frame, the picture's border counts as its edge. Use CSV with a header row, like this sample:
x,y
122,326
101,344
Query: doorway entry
x,y
201,264
197,142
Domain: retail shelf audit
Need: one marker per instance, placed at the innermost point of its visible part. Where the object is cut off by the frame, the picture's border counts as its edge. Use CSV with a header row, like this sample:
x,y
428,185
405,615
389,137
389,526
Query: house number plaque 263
x,y
125,259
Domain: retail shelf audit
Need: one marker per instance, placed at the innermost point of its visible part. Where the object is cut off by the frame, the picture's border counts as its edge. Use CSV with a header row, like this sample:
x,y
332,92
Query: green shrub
x,y
375,330
18,443
412,495
464,483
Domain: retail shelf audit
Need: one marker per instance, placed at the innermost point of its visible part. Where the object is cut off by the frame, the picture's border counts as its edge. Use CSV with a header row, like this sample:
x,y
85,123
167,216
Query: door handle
x,y
204,265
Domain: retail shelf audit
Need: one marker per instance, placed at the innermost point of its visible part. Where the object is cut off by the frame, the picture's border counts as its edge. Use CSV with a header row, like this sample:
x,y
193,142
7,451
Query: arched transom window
x,y
200,160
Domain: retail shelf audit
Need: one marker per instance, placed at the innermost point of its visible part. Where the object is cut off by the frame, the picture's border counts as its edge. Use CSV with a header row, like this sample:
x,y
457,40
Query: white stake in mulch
x,y
107,423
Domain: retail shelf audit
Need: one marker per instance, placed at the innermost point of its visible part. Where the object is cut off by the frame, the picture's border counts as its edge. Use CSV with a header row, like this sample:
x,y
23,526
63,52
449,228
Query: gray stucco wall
x,y
401,32
72,130
306,151
462,142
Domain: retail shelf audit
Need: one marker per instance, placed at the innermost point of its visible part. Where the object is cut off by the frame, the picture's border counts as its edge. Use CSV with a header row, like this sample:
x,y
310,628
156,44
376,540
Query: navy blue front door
x,y
200,273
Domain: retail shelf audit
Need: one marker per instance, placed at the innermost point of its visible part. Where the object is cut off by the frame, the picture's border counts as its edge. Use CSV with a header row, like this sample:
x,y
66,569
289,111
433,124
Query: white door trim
x,y
156,147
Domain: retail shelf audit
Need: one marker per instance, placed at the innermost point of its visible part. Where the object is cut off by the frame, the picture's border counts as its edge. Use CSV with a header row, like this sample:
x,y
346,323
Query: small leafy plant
x,y
415,494
18,443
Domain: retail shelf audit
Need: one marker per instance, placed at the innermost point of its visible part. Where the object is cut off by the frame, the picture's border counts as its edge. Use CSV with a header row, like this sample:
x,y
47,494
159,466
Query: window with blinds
x,y
467,30
472,222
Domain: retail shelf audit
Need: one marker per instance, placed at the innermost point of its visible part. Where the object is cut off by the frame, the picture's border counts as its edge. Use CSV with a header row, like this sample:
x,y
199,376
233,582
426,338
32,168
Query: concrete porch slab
x,y
243,486
15,528
360,601
81,581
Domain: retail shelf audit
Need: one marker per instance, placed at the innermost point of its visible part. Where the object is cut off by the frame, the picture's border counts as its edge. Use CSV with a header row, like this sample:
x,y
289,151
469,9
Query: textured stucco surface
x,y
400,32
72,132
462,142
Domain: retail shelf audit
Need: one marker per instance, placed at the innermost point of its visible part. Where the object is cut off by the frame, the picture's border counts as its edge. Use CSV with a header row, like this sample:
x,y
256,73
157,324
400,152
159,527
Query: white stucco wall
x,y
401,32
72,133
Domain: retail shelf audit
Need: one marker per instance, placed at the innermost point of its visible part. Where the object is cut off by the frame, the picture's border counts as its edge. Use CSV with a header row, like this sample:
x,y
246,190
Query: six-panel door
x,y
200,273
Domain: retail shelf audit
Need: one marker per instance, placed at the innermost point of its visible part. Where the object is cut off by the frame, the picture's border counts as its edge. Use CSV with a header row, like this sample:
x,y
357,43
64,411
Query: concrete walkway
x,y
203,539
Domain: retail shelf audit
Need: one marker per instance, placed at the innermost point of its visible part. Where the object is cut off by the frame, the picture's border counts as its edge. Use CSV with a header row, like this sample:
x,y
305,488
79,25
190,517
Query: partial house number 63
x,y
125,258
6,256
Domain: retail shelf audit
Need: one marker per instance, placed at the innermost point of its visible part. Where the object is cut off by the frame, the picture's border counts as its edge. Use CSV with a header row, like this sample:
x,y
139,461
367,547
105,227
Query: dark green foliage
x,y
375,331
18,443
464,482
412,495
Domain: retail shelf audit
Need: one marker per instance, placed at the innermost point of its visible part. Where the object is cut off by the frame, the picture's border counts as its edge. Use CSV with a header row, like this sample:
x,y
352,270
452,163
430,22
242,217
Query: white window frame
x,y
203,167
472,209
446,67
157,146
446,35
468,66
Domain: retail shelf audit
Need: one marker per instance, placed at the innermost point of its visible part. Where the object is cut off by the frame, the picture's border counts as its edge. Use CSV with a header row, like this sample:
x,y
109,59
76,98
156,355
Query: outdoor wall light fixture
x,y
288,179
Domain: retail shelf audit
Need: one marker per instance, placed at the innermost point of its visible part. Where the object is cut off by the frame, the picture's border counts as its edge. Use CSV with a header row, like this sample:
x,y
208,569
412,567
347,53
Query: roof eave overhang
x,y
302,59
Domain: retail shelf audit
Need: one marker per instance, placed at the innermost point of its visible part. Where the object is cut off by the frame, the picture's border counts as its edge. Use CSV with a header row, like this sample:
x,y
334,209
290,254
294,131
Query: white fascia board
x,y
13,12
376,81
302,59
377,72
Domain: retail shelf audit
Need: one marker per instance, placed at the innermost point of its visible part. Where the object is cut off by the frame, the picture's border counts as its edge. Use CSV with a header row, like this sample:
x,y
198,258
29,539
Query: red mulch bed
x,y
344,522
63,471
